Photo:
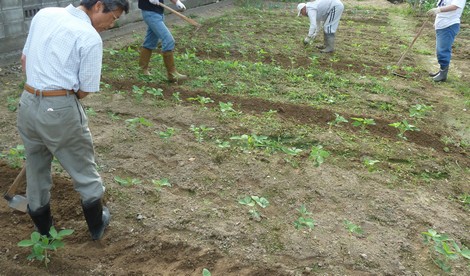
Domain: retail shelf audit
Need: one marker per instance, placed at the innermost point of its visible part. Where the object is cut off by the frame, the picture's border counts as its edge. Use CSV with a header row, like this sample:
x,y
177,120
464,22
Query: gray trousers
x,y
57,126
332,19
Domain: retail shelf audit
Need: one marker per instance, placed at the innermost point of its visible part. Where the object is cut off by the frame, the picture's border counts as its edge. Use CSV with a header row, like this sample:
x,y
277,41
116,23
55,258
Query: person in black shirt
x,y
157,31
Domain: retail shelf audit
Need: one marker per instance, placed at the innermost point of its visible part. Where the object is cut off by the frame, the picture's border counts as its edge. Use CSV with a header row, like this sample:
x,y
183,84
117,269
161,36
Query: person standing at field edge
x,y
157,31
327,12
447,26
62,60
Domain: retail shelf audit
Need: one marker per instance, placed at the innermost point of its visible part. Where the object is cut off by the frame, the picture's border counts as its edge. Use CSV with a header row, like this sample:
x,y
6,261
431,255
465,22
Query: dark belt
x,y
47,93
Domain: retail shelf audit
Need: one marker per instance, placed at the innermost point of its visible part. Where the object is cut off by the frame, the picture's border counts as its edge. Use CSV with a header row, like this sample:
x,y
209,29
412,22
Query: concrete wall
x,y
16,15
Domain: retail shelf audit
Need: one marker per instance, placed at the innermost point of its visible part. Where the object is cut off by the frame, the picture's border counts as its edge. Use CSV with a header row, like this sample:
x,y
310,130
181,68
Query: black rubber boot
x,y
330,44
97,218
42,219
441,75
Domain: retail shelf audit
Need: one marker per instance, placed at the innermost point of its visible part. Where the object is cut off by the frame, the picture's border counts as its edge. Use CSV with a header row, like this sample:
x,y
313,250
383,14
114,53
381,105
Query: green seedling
x,y
251,141
403,127
114,116
134,122
363,123
12,103
254,201
159,184
201,100
176,96
206,272
370,164
318,154
167,134
291,150
90,112
140,91
303,221
419,111
227,109
353,228
41,245
200,132
445,249
339,119
15,156
222,144
465,199
128,181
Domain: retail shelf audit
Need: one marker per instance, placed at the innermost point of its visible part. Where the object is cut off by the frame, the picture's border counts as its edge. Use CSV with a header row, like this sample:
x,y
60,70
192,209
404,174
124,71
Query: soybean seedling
x,y
403,127
15,156
167,134
41,245
201,100
159,184
363,123
339,119
303,221
445,249
227,109
318,154
206,272
254,201
200,132
353,228
370,164
419,111
127,181
134,122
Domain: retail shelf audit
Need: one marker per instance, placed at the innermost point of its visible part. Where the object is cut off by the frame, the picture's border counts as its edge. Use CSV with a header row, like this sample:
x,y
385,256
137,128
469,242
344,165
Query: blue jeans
x,y
157,31
444,40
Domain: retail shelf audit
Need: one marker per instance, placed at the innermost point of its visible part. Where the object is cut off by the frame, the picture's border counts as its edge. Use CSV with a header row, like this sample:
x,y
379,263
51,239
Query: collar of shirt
x,y
78,13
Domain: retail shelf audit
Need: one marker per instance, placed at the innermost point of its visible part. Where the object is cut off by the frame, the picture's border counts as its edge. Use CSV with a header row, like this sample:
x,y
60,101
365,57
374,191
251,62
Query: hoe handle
x,y
18,180
412,42
187,19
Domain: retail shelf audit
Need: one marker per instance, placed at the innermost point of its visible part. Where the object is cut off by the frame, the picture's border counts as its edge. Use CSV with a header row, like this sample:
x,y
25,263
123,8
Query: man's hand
x,y
308,40
181,7
434,11
155,2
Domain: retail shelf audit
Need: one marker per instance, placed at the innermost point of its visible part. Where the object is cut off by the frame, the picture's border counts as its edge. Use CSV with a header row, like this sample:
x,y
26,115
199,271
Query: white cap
x,y
300,7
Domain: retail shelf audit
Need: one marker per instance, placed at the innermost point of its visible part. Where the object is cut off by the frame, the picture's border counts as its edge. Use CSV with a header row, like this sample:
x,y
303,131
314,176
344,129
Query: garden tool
x,y
409,47
17,202
187,19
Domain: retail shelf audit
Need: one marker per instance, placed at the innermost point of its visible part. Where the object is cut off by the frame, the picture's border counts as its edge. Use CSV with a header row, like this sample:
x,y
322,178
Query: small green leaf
x,y
465,253
35,236
65,232
53,232
206,272
25,243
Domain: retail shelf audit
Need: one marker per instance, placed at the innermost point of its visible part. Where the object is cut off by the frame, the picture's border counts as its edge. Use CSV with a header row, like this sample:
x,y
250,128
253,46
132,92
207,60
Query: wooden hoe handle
x,y
412,42
19,179
187,19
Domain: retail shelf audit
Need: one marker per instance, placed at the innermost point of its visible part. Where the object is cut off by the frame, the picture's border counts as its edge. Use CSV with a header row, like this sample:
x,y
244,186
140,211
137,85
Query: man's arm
x,y
23,63
80,94
449,8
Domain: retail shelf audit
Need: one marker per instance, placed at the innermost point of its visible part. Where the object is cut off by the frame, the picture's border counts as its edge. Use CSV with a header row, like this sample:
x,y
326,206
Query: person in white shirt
x,y
326,12
62,60
447,26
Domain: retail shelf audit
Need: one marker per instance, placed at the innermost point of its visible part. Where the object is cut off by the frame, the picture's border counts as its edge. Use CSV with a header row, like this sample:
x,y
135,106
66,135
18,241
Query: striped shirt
x,y
63,51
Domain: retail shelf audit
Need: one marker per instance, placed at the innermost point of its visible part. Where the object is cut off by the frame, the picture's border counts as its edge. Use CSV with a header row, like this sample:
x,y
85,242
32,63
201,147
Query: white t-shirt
x,y
446,19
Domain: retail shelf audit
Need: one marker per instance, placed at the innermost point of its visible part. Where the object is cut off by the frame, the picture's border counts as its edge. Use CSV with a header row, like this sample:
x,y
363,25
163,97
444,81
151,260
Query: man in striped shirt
x,y
62,60
327,12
